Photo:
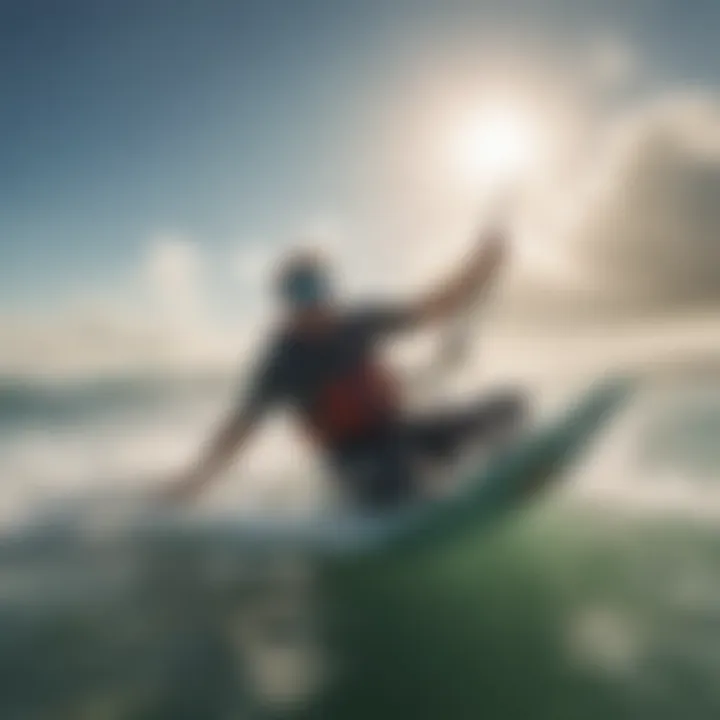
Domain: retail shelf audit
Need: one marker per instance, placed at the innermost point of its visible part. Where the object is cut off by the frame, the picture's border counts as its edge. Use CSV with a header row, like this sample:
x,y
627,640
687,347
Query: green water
x,y
557,612
505,628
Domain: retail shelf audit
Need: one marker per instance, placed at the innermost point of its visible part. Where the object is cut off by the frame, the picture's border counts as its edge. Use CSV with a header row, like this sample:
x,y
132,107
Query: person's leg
x,y
379,477
387,471
441,435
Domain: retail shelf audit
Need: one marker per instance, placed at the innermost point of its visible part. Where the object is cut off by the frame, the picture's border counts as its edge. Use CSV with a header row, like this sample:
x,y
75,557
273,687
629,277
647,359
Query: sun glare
x,y
496,146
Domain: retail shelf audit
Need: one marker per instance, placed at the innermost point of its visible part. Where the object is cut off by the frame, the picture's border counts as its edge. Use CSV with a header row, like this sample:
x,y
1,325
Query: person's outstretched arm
x,y
478,271
224,445
232,435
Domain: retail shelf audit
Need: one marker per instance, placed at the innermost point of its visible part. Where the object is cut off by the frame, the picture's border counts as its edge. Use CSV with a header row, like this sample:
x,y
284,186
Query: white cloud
x,y
173,271
650,231
253,264
159,320
640,235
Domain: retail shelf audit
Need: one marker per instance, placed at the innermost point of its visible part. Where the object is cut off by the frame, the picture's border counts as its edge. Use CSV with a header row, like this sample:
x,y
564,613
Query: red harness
x,y
350,405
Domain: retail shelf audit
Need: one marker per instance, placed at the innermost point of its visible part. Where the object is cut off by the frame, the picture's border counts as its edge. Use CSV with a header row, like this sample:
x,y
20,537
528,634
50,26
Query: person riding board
x,y
323,364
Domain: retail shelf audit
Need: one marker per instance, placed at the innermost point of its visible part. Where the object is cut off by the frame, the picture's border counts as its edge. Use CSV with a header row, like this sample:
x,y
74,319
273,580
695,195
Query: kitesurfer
x,y
323,363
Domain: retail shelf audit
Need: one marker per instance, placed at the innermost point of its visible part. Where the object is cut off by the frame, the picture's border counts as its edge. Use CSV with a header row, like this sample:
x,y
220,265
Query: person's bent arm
x,y
447,300
223,447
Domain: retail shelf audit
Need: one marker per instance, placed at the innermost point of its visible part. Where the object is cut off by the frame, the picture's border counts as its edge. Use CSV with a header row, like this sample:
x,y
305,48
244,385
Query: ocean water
x,y
601,600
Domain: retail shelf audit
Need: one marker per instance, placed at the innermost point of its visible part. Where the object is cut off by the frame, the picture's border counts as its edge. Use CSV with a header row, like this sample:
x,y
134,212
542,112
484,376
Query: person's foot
x,y
513,417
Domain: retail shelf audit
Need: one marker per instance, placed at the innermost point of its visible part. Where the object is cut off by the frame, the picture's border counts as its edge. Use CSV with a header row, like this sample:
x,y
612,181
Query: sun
x,y
496,146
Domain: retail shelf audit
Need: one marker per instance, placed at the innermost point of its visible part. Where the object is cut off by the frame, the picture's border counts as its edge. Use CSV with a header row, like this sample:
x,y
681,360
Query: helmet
x,y
303,281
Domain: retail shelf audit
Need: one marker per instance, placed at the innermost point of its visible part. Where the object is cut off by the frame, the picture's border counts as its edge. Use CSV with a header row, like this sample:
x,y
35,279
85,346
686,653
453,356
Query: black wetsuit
x,y
349,402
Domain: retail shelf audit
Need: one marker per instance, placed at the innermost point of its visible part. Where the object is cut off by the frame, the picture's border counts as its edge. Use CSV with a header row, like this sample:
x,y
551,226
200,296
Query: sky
x,y
157,155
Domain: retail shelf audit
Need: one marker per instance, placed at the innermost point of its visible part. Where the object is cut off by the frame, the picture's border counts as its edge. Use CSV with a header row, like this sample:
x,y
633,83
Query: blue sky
x,y
233,122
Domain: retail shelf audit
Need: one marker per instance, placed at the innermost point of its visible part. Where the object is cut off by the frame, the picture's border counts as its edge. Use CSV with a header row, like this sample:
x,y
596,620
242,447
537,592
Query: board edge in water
x,y
506,484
